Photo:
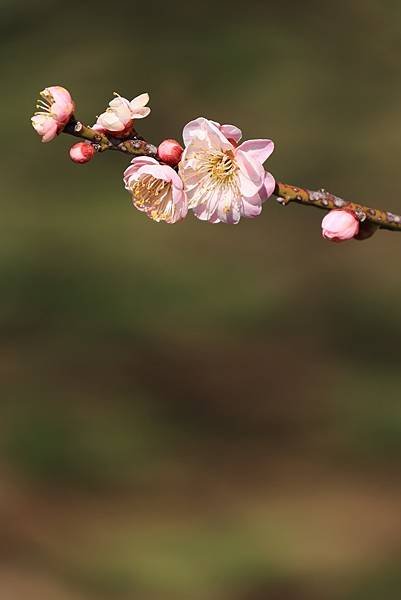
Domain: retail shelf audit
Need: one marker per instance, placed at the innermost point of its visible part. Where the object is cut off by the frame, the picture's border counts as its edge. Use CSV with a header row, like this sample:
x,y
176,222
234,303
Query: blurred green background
x,y
200,412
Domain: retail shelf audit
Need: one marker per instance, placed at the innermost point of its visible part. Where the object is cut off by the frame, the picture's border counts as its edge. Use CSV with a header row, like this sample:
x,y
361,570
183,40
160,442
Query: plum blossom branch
x,y
284,192
215,175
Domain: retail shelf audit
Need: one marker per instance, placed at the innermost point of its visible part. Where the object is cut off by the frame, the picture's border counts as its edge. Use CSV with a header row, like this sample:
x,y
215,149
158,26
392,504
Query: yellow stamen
x,y
154,196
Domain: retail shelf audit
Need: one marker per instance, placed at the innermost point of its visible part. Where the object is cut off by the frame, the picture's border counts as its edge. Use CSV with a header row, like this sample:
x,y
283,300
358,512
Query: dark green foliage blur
x,y
199,412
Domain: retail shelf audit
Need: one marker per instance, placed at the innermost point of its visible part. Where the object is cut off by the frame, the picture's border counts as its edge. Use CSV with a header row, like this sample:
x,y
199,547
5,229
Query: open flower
x,y
56,108
156,190
118,118
224,181
340,225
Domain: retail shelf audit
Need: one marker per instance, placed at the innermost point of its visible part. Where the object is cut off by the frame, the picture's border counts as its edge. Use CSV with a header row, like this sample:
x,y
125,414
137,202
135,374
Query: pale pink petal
x,y
203,130
133,171
110,121
268,186
193,129
180,202
230,213
121,108
139,102
50,133
251,175
259,150
144,160
229,208
61,112
46,126
62,105
208,206
119,102
215,137
264,192
203,213
140,113
231,132
250,210
157,171
60,94
176,180
250,167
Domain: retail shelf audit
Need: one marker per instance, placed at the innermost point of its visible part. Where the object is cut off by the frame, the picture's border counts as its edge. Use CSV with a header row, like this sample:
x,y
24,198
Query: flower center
x,y
221,167
216,174
153,196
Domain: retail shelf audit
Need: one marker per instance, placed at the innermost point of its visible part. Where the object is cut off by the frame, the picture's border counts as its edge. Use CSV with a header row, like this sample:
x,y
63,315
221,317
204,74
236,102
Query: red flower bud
x,y
82,152
170,152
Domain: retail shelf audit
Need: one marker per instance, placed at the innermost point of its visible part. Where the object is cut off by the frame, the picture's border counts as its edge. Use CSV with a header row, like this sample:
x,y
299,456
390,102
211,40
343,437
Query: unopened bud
x,y
170,152
82,152
339,225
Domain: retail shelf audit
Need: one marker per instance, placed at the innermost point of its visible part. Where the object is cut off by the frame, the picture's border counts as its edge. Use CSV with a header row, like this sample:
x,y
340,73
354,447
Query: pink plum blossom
x,y
82,152
170,152
56,108
119,117
224,181
339,225
156,190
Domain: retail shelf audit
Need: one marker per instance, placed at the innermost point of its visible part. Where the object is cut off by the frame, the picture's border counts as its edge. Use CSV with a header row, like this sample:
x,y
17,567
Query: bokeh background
x,y
200,412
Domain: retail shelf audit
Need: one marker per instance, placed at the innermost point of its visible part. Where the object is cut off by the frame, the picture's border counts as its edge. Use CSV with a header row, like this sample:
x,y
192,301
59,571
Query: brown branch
x,y
134,145
322,199
370,218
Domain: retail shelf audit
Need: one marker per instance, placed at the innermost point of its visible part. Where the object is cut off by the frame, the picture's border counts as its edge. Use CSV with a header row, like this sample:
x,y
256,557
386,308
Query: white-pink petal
x,y
140,113
121,107
250,210
231,132
251,173
268,186
205,131
258,150
46,126
139,102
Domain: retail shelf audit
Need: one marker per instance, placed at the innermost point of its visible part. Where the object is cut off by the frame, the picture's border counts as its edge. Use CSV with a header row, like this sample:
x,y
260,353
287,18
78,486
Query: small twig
x,y
134,145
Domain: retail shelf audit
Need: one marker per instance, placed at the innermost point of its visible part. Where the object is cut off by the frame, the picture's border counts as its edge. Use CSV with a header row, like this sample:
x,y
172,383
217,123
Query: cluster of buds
x,y
213,173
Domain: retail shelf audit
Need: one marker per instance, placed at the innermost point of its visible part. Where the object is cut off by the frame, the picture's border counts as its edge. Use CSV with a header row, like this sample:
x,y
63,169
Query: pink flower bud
x,y
82,152
170,152
339,225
